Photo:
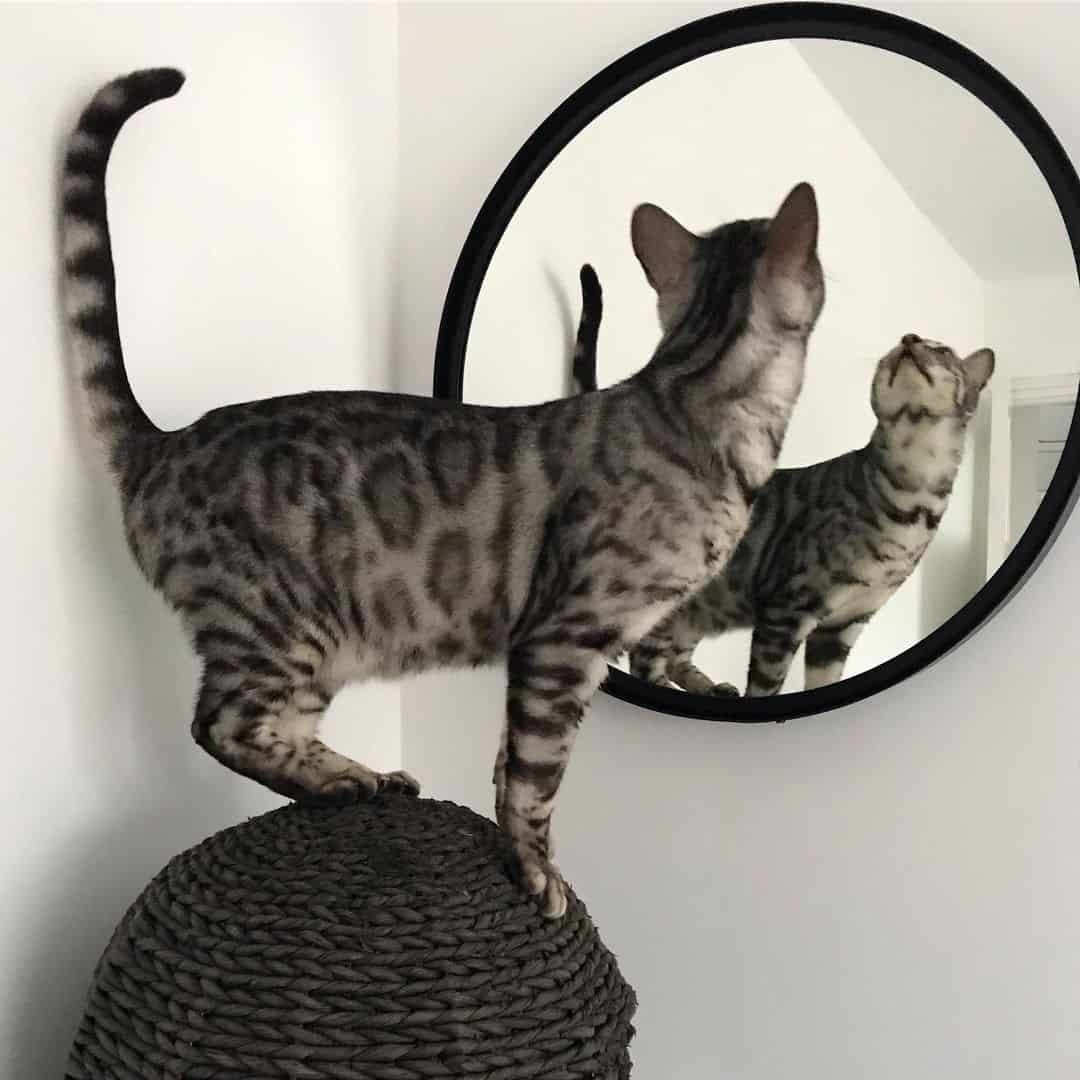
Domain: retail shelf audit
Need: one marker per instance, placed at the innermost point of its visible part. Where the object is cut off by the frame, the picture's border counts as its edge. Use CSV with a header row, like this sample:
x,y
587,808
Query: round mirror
x,y
931,451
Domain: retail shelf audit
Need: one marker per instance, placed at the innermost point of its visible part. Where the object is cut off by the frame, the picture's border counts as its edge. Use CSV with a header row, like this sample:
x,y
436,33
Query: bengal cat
x,y
319,538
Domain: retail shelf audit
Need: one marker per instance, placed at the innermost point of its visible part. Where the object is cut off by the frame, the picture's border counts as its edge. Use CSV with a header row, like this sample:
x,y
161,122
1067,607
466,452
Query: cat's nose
x,y
910,339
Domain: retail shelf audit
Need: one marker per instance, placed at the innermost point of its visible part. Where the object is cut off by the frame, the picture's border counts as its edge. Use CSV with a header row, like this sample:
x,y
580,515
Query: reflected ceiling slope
x,y
910,116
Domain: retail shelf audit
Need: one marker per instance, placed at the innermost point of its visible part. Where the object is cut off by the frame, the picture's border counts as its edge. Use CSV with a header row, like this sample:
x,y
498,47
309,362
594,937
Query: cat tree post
x,y
381,941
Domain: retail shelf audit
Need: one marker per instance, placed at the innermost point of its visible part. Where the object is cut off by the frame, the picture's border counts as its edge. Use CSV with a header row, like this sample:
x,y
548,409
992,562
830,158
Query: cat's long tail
x,y
592,307
88,278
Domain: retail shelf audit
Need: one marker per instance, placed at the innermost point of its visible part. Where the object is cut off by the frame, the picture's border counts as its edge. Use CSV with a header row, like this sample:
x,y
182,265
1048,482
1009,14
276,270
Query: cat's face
x,y
923,377
764,269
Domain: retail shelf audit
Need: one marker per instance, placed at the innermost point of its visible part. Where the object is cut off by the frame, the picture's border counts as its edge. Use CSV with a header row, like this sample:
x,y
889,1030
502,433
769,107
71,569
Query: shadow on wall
x,y
568,320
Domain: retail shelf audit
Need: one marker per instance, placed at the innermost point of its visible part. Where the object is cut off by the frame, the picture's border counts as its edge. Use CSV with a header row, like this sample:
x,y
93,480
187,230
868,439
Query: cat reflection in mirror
x,y
311,540
828,544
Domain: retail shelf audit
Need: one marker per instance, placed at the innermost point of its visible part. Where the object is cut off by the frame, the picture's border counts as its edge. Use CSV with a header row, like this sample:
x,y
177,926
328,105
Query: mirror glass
x,y
934,222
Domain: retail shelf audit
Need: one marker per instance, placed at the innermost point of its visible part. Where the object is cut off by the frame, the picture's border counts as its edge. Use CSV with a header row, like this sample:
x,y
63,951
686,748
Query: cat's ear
x,y
663,247
978,367
793,232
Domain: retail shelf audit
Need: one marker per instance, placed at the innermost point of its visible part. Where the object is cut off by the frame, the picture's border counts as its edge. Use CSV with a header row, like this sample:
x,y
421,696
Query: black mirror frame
x,y
715,33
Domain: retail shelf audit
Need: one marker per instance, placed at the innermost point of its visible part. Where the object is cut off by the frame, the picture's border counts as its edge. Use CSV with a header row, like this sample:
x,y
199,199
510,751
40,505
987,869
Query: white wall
x,y
890,890
676,142
253,220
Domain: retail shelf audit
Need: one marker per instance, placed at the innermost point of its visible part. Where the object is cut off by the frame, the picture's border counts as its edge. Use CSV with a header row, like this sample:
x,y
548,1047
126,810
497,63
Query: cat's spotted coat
x,y
323,537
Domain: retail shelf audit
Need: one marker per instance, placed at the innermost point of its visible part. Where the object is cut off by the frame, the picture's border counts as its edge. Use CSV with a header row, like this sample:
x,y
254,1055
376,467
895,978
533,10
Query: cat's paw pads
x,y
540,879
724,690
553,904
343,790
398,783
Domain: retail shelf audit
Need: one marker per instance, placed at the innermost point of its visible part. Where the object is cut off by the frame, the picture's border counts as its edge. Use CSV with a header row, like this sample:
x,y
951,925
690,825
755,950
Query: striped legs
x,y
827,650
549,684
772,649
649,661
665,658
266,729
665,661
694,681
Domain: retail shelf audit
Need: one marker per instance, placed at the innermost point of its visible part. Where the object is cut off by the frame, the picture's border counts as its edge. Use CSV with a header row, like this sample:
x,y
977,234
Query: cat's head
x,y
762,274
919,377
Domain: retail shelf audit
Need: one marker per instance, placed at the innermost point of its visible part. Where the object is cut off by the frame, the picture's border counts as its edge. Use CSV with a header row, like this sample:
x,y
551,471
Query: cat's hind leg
x,y
649,662
694,681
665,657
276,641
260,717
827,650
772,650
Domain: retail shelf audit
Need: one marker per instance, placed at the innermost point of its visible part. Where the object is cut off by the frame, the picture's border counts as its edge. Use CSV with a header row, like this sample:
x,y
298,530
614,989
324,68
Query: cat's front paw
x,y
540,879
359,785
724,689
398,783
343,790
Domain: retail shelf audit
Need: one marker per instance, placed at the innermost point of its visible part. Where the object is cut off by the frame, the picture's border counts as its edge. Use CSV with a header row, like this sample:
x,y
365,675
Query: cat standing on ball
x,y
315,539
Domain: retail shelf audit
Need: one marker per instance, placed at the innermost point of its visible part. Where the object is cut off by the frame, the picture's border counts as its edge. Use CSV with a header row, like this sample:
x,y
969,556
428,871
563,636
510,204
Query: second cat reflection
x,y
828,544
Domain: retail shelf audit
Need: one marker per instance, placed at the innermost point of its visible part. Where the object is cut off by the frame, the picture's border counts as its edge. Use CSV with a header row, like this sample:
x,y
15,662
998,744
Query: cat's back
x,y
813,496
356,426
342,485
798,518
411,465
365,419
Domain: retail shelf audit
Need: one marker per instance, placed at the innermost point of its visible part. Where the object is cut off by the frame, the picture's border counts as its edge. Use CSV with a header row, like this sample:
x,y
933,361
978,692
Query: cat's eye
x,y
912,145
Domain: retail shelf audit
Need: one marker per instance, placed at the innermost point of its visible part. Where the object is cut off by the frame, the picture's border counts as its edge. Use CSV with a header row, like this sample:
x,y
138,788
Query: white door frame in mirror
x,y
1020,391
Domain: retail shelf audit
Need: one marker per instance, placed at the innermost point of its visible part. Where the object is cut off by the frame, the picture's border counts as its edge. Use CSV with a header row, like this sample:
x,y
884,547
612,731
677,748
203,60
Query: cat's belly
x,y
848,602
359,659
453,608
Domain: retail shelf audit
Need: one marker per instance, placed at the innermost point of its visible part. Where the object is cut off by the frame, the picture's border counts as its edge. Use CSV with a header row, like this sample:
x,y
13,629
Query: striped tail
x,y
89,281
592,307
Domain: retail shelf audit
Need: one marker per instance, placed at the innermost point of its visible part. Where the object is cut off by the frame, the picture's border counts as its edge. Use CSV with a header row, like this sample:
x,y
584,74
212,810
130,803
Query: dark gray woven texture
x,y
379,941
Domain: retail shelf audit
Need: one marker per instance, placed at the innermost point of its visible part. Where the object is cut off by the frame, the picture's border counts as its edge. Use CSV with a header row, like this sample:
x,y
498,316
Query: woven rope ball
x,y
378,941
